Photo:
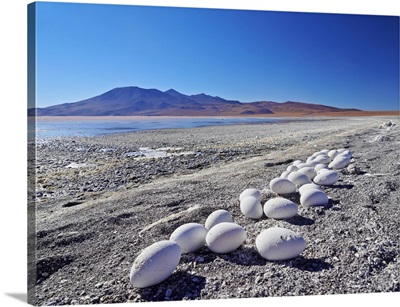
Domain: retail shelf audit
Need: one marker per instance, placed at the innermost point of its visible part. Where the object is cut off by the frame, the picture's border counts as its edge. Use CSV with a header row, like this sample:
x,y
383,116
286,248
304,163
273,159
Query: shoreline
x,y
275,115
87,239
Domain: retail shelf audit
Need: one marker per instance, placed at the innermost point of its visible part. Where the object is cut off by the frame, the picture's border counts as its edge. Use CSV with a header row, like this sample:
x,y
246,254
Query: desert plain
x,y
96,202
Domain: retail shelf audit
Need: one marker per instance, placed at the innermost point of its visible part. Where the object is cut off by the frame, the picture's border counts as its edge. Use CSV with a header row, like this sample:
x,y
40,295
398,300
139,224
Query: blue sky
x,y
341,60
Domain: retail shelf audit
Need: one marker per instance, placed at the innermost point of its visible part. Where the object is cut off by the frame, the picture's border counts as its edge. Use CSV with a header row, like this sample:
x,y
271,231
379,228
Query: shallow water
x,y
61,127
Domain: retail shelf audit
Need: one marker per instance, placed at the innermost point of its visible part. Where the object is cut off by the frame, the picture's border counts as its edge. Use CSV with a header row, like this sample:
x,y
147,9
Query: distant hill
x,y
132,100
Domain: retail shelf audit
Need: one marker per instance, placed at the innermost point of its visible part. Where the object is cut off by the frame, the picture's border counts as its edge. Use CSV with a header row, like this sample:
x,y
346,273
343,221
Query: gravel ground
x,y
100,201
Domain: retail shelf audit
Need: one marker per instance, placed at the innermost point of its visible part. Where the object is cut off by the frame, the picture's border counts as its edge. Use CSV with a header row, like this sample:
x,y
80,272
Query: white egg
x,y
339,162
312,163
313,197
326,178
301,165
347,153
323,170
155,264
323,158
317,153
296,162
282,186
251,192
251,207
298,178
216,217
310,172
225,237
292,168
280,208
190,237
320,166
285,174
324,151
308,186
332,153
278,243
309,159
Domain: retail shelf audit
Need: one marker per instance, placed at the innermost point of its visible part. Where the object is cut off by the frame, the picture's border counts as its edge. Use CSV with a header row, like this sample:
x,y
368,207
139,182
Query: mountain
x,y
133,100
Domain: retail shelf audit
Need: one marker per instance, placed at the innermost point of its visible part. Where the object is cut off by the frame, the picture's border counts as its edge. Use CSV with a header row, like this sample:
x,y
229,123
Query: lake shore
x,y
101,200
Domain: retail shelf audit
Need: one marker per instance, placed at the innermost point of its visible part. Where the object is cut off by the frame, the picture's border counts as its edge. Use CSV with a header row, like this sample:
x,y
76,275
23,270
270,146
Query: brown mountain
x,y
128,101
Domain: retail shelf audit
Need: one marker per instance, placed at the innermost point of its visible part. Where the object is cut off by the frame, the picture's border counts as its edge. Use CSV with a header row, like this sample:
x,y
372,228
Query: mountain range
x,y
133,100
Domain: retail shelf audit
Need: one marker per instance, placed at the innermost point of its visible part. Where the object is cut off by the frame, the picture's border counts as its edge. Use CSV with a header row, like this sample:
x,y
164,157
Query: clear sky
x,y
342,60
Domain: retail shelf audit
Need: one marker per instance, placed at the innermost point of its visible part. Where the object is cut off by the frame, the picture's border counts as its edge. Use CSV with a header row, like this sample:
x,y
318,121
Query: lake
x,y
54,127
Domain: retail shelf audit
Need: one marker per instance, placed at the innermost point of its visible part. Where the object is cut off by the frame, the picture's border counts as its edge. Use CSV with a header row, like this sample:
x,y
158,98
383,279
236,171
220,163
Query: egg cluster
x,y
221,235
305,178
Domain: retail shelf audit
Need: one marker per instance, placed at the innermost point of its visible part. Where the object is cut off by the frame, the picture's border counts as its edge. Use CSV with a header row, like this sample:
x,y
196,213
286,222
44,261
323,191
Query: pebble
x,y
298,178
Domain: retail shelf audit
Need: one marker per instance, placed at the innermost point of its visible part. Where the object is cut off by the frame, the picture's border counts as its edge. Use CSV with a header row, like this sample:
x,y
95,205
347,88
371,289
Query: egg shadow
x,y
300,220
245,256
180,285
306,264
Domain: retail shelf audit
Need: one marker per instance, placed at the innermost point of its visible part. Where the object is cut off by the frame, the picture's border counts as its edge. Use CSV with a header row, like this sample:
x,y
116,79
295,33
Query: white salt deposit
x,y
79,165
